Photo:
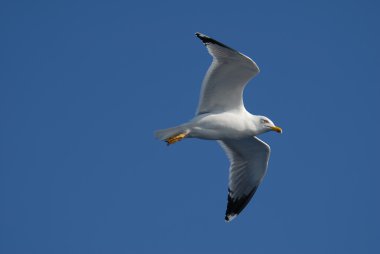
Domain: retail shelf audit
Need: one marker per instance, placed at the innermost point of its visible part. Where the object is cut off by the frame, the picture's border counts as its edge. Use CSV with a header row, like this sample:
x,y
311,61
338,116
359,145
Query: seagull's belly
x,y
220,126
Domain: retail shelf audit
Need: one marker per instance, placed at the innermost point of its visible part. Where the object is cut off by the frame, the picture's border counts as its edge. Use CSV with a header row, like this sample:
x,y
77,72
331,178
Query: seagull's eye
x,y
264,121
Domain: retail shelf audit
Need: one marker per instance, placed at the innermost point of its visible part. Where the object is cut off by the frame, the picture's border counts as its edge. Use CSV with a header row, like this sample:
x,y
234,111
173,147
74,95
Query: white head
x,y
265,125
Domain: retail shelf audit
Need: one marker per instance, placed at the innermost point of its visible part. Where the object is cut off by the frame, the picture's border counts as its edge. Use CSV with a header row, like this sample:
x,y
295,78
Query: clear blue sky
x,y
83,85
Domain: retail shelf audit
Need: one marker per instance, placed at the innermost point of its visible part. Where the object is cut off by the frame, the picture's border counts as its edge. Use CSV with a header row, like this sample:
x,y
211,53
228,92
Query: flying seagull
x,y
221,116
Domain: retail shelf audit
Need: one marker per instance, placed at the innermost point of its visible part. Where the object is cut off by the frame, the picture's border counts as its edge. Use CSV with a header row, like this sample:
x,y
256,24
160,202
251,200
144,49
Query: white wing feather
x,y
249,161
223,85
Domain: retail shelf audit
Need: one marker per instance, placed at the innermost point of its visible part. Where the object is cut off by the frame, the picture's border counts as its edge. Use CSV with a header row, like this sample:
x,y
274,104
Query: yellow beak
x,y
276,129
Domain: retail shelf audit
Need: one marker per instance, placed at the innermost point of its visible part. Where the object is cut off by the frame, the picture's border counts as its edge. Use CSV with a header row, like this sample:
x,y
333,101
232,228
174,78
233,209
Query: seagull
x,y
221,116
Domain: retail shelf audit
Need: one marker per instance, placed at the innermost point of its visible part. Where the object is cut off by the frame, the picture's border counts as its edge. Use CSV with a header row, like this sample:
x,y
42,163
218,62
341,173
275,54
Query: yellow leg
x,y
175,138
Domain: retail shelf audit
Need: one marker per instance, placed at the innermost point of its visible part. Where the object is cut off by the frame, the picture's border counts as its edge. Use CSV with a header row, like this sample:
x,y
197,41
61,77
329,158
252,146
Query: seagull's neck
x,y
256,125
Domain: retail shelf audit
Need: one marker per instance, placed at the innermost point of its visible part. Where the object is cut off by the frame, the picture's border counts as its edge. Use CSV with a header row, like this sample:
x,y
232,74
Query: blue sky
x,y
83,85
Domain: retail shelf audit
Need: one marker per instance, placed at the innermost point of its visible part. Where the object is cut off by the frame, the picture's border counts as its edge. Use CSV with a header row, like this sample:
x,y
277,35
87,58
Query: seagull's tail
x,y
171,132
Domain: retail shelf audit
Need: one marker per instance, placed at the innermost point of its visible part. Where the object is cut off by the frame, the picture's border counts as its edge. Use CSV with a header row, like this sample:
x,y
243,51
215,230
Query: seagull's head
x,y
266,125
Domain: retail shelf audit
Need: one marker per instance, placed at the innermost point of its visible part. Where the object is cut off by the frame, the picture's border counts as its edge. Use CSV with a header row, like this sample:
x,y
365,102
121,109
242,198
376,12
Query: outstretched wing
x,y
249,161
223,85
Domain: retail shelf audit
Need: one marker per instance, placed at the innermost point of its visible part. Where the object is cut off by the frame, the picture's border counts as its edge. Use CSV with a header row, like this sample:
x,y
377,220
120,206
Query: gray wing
x,y
249,161
223,85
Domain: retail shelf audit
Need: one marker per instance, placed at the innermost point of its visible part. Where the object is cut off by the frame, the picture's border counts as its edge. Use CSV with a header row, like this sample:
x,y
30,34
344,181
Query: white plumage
x,y
221,116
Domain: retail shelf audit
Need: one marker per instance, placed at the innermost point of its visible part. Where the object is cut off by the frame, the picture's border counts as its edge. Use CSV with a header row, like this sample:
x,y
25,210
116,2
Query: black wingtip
x,y
208,40
235,206
228,218
204,38
200,35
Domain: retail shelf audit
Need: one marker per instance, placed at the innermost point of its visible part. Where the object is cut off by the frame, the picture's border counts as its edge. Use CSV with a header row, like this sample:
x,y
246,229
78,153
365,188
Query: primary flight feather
x,y
221,116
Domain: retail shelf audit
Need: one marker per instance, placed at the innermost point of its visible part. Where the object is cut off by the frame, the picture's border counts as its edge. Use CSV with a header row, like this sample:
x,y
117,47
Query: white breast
x,y
225,125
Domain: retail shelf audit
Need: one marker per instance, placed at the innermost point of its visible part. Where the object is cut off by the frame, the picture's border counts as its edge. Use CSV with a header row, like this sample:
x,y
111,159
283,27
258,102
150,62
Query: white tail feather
x,y
170,132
